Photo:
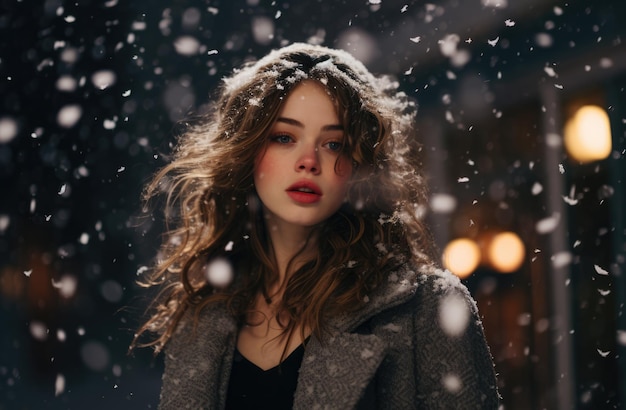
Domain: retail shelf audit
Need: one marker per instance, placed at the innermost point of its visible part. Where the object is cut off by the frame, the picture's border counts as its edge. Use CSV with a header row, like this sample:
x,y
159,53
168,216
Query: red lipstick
x,y
305,192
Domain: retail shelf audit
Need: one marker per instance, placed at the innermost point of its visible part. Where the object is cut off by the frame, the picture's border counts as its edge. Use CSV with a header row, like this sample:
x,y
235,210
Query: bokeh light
x,y
588,134
461,256
505,252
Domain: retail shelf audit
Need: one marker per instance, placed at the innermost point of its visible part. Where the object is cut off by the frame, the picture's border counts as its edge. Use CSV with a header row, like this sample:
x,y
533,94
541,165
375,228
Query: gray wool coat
x,y
417,343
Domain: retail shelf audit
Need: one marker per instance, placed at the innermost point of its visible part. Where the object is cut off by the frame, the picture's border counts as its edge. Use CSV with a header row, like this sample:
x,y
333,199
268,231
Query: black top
x,y
251,387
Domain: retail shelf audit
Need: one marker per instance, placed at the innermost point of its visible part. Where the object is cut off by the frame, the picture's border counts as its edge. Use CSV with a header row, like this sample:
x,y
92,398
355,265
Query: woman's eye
x,y
282,139
334,146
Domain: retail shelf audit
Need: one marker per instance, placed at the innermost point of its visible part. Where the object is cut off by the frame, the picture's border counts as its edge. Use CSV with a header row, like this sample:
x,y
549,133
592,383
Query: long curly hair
x,y
212,211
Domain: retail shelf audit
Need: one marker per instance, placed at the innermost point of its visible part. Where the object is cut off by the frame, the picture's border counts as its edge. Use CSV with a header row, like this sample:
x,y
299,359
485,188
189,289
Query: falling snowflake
x,y
38,330
550,71
454,315
561,259
452,383
548,224
142,269
59,385
600,271
569,201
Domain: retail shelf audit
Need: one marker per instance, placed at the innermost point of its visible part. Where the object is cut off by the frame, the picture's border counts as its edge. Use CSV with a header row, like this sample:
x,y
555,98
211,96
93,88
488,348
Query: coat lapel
x,y
336,372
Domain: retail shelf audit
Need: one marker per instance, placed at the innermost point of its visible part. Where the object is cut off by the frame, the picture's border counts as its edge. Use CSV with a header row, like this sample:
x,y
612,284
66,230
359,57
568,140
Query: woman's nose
x,y
309,160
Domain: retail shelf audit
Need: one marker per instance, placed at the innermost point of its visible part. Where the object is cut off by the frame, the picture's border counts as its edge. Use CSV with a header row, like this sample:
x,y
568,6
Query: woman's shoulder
x,y
434,291
439,308
437,282
427,279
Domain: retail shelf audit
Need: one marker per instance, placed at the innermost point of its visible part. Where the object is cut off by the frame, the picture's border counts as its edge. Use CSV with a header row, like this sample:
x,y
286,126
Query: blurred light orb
x,y
361,44
191,18
69,115
588,134
66,285
219,273
499,4
263,30
505,252
111,291
38,330
8,129
70,55
442,203
5,221
460,58
95,355
66,83
461,256
103,79
452,383
544,40
187,46
448,44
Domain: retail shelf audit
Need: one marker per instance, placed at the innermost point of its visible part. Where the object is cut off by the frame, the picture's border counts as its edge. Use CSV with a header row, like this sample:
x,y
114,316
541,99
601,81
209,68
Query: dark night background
x,y
90,96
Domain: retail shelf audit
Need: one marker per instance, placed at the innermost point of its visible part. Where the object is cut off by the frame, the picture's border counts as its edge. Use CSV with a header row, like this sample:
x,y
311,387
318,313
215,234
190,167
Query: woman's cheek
x,y
264,166
344,168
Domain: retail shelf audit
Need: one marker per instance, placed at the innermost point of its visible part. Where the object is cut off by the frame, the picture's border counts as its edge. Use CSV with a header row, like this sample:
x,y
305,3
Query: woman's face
x,y
302,176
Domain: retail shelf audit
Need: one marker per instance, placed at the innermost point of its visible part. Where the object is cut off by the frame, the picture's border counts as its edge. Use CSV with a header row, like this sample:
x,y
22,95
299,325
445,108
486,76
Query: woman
x,y
297,272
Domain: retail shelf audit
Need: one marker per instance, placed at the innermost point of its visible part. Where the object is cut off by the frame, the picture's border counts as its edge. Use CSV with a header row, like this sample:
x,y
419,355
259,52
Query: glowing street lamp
x,y
588,134
505,252
461,256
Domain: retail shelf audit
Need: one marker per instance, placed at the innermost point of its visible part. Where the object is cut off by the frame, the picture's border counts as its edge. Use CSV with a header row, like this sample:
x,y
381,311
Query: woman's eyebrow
x,y
296,123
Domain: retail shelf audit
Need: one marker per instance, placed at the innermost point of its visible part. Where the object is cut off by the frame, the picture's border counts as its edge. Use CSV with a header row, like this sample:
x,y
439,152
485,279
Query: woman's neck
x,y
289,243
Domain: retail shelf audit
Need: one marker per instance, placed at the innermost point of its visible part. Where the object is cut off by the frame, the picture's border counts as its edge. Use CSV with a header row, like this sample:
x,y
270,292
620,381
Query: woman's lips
x,y
306,192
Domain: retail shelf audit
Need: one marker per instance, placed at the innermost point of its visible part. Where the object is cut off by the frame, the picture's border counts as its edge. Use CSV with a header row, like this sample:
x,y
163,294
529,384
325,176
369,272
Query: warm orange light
x,y
505,252
461,256
588,134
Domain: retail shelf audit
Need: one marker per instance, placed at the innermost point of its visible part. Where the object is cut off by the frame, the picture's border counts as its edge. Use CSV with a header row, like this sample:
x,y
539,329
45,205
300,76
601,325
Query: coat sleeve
x,y
452,363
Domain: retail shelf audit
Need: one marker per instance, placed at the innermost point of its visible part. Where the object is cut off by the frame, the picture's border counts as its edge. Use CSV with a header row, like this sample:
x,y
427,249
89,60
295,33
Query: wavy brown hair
x,y
213,212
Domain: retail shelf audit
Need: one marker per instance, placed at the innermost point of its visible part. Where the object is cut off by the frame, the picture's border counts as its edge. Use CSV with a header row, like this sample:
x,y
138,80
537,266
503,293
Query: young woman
x,y
297,272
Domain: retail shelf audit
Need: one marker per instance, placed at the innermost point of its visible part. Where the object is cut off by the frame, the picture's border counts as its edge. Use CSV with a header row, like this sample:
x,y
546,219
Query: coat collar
x,y
334,372
399,287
